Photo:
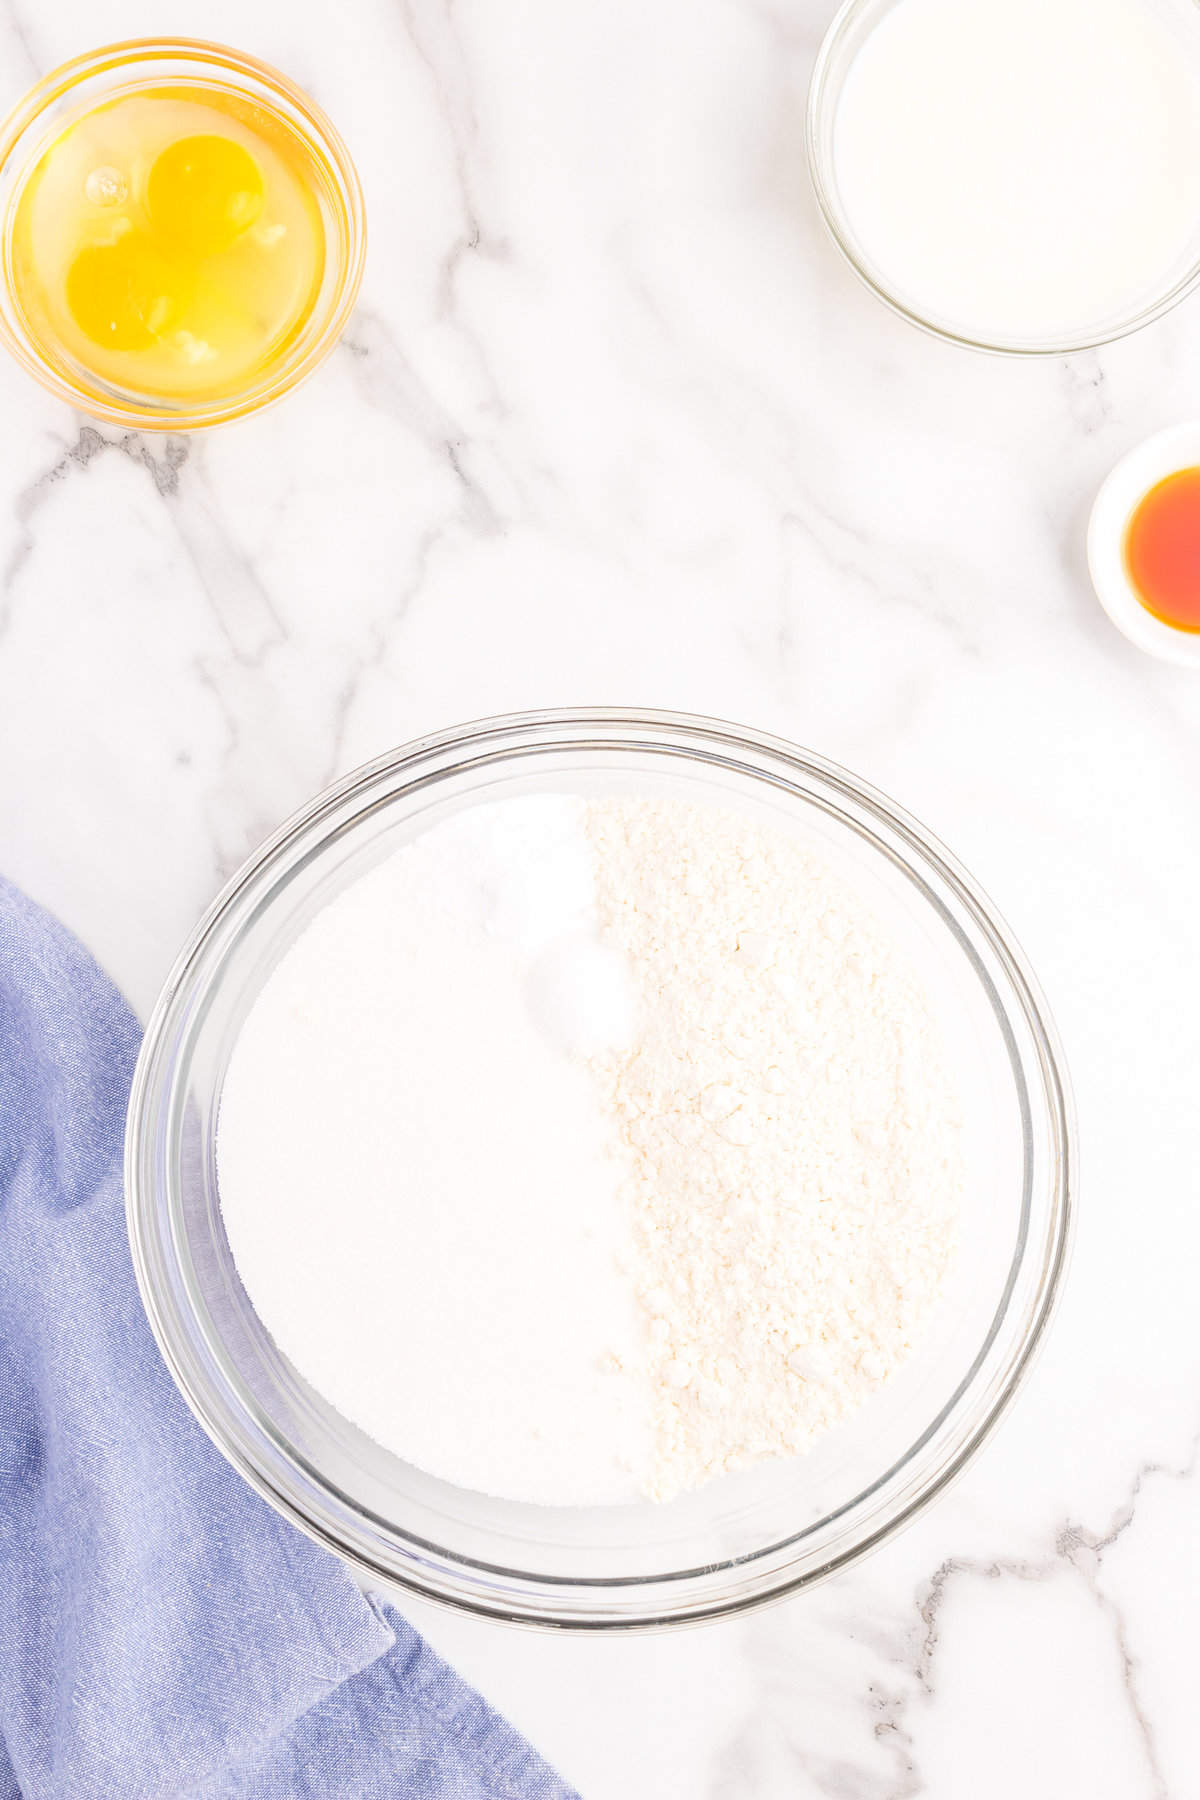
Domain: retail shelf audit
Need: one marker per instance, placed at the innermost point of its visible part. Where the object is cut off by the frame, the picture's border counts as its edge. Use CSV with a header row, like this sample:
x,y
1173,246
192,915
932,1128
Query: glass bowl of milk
x,y
1019,176
740,1539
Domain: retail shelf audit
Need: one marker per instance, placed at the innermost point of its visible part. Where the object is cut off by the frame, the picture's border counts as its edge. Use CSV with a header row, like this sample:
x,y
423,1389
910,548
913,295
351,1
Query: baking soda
x,y
588,1151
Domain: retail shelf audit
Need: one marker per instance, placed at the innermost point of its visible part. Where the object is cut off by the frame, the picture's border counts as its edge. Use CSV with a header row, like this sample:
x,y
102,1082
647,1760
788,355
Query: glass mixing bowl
x,y
146,65
747,1537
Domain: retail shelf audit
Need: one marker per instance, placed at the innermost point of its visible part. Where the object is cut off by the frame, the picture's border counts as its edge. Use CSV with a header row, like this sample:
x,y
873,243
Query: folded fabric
x,y
165,1633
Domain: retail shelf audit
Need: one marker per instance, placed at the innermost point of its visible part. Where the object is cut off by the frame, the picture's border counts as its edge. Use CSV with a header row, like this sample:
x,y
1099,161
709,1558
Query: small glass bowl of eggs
x,y
182,233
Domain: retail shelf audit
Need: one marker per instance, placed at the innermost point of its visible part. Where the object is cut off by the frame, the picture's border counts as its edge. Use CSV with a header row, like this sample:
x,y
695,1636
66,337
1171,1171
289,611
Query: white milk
x,y
1025,169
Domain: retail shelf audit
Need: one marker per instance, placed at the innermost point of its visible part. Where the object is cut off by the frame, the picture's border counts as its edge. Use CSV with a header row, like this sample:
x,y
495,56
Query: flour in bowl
x,y
588,1151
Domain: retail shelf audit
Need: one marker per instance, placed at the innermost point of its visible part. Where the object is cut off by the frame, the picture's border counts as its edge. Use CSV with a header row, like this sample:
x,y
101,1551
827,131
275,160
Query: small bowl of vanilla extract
x,y
1144,545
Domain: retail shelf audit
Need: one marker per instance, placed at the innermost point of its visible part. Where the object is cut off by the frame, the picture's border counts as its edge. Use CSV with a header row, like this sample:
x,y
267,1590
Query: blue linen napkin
x,y
164,1633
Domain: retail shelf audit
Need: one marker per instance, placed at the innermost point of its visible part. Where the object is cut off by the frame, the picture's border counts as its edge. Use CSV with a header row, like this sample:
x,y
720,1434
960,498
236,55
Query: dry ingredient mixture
x,y
588,1151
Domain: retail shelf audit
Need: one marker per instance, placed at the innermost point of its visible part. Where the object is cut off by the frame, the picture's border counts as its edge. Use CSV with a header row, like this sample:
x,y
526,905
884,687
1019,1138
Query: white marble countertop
x,y
613,423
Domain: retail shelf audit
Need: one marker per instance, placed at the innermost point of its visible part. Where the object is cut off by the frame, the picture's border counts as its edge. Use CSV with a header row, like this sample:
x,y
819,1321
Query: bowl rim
x,y
820,98
132,53
535,1604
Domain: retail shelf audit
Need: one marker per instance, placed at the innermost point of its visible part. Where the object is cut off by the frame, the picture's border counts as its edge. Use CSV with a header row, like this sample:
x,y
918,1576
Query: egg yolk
x,y
203,192
125,294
